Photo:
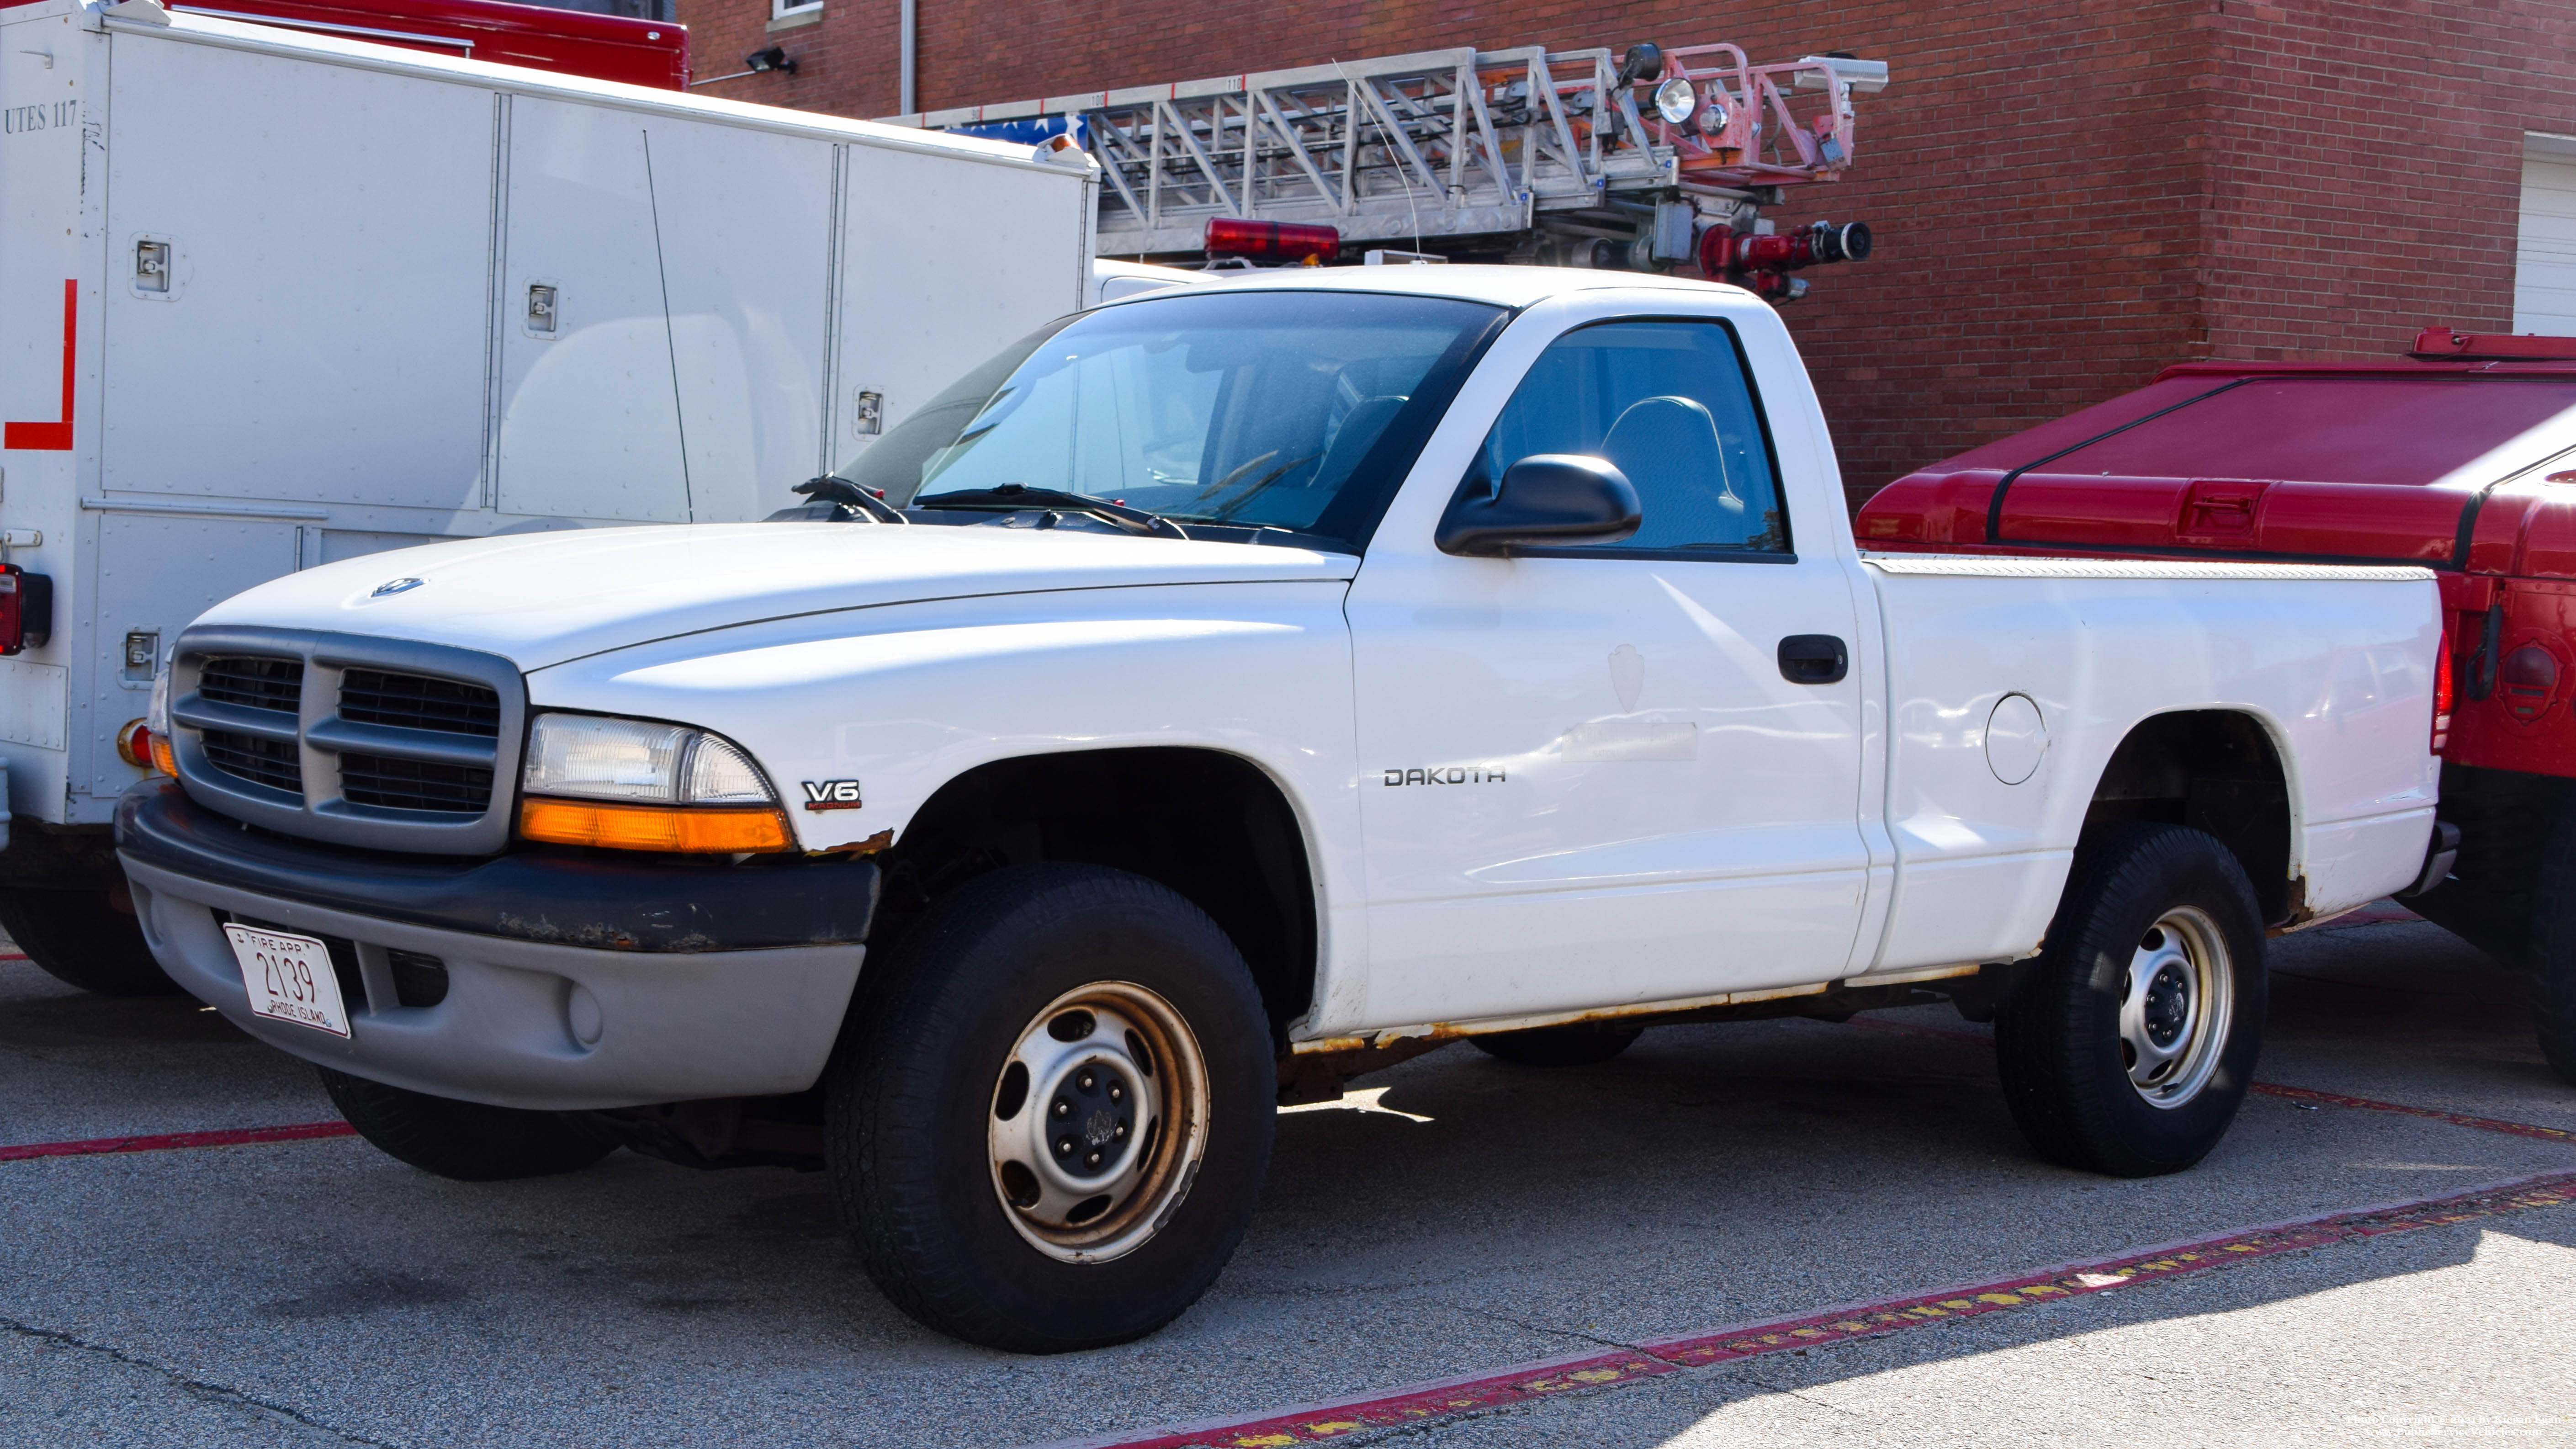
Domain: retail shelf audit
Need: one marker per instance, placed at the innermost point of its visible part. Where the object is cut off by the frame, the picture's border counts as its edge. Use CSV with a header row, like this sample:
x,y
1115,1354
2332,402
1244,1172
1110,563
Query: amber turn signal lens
x,y
162,759
652,827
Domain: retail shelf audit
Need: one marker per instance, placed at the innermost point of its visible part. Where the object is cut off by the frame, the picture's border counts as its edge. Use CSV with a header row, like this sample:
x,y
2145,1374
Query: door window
x,y
1668,404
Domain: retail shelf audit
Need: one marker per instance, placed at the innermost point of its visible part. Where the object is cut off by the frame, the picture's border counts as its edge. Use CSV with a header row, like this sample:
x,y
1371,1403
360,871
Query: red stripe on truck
x,y
54,437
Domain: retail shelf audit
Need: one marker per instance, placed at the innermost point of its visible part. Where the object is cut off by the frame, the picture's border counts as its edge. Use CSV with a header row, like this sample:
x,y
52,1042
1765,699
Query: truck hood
x,y
542,599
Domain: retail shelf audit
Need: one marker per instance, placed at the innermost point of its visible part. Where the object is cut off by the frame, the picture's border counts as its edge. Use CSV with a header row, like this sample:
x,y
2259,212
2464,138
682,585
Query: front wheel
x,y
1052,1117
2130,1043
467,1141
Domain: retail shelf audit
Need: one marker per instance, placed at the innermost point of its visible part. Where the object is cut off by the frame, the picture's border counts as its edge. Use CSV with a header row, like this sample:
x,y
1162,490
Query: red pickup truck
x,y
2460,456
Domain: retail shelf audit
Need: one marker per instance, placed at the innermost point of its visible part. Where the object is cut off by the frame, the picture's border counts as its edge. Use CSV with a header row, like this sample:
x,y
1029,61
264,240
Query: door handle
x,y
1814,659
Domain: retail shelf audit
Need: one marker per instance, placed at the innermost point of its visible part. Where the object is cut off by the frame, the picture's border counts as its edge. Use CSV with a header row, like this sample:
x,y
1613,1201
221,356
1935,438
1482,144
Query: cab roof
x,y
1502,286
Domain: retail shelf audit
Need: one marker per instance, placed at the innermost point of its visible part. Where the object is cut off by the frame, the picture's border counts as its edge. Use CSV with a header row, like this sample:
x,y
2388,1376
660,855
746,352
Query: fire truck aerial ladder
x,y
1654,160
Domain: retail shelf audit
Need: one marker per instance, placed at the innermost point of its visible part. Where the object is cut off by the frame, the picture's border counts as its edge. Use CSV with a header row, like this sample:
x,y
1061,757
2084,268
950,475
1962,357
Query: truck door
x,y
1588,777
589,410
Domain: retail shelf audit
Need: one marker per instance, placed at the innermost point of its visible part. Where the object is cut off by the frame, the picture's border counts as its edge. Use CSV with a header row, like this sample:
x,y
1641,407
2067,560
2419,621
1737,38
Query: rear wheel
x,y
1053,1115
1577,1044
467,1141
2552,953
2129,1045
82,939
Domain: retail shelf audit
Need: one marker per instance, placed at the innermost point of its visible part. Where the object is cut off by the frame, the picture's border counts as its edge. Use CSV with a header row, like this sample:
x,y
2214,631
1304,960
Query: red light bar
x,y
1230,236
2443,344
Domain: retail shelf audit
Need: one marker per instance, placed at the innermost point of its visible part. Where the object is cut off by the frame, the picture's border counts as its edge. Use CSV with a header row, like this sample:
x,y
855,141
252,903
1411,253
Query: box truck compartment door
x,y
157,573
318,335
746,247
590,423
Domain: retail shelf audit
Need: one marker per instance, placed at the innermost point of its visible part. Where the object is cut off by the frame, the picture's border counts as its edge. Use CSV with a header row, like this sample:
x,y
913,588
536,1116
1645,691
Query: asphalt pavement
x,y
1456,1220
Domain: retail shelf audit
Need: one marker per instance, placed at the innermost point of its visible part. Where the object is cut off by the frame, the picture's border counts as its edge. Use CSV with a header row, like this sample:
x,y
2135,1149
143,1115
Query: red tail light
x,y
2442,695
1229,236
26,609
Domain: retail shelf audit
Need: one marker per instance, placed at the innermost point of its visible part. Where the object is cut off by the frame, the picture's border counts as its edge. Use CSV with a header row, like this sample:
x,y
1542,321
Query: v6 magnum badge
x,y
831,794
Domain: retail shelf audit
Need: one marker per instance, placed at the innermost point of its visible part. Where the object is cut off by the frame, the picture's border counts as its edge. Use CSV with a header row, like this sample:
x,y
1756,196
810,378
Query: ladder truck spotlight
x,y
1653,159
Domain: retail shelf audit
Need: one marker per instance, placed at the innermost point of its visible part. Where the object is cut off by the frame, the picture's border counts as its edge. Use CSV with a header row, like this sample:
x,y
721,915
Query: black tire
x,y
2065,1061
467,1141
1577,1044
912,1105
2552,954
81,939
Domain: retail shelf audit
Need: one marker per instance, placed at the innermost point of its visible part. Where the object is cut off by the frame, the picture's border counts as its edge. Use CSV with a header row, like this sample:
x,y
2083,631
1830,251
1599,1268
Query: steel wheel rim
x,y
1114,1071
2177,1001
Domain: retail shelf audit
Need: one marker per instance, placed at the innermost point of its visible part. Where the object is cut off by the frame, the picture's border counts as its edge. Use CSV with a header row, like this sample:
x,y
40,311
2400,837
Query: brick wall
x,y
846,60
2365,182
2066,196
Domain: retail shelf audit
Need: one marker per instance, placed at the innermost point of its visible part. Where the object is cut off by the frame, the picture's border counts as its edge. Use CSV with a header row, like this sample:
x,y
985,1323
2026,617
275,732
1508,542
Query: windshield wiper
x,y
1243,500
1013,497
833,488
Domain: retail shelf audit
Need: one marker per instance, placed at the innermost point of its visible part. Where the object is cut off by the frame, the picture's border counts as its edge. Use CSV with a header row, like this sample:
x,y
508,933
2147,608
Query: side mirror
x,y
1545,499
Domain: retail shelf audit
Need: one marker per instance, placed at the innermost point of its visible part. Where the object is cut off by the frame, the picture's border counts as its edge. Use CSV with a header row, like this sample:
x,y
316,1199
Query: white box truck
x,y
270,299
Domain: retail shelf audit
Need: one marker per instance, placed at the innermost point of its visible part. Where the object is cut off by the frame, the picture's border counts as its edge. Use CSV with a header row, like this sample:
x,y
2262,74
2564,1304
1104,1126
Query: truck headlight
x,y
632,784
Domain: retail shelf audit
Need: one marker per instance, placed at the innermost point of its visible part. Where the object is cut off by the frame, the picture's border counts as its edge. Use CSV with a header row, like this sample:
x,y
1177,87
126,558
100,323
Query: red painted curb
x,y
230,1137
1430,1402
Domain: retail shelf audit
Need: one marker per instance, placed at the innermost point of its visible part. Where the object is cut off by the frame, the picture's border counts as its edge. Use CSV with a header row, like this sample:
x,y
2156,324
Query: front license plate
x,y
289,978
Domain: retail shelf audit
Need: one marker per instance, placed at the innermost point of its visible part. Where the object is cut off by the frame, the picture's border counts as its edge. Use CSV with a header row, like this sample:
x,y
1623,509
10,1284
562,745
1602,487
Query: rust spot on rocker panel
x,y
1306,1077
2300,912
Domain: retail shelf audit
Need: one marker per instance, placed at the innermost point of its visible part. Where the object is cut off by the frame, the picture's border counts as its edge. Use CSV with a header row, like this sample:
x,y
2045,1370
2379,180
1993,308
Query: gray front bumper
x,y
668,1027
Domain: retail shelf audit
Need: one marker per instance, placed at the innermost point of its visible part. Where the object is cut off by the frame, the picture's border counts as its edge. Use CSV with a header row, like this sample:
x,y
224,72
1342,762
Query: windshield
x,y
1295,410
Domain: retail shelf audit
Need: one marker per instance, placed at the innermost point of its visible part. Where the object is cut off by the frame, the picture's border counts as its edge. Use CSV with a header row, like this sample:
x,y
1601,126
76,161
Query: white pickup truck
x,y
1224,692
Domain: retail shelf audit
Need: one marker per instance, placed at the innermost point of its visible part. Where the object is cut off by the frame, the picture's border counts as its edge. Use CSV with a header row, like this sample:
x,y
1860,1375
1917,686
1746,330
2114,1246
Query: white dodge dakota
x,y
1225,692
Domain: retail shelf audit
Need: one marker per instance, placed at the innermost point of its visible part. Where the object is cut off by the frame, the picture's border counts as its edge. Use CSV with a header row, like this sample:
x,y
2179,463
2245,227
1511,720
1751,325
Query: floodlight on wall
x,y
773,61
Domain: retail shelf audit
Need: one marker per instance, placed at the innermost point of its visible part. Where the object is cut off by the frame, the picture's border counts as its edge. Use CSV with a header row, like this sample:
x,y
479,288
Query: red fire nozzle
x,y
1722,251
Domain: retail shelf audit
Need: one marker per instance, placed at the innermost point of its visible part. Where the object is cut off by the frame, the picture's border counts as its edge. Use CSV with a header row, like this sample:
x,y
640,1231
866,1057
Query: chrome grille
x,y
385,744
270,684
418,702
394,784
274,763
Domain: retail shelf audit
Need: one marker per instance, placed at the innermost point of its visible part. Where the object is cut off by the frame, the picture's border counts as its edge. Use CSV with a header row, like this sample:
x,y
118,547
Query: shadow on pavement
x,y
1714,1175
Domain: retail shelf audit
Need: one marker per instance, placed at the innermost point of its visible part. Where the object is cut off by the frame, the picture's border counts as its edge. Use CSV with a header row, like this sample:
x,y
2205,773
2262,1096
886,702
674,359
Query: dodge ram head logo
x,y
831,794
